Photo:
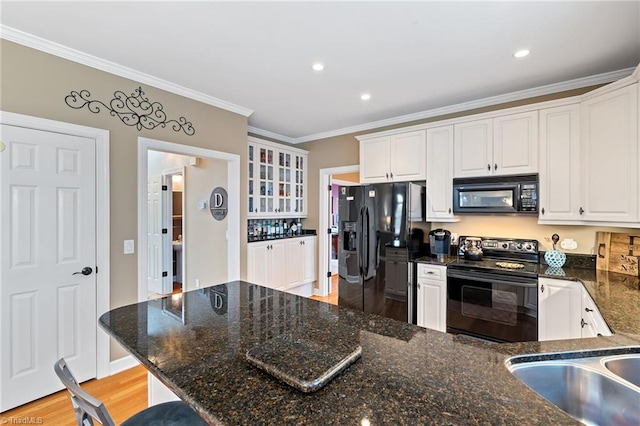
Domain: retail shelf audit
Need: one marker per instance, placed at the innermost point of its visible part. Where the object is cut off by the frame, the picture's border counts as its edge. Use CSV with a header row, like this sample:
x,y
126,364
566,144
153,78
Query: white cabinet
x,y
515,144
559,188
566,311
504,145
432,297
266,263
277,180
301,255
393,158
440,174
473,148
309,270
282,264
559,309
592,322
609,156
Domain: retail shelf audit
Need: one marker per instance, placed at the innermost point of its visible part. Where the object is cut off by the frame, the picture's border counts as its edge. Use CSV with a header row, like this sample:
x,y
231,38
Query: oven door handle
x,y
490,278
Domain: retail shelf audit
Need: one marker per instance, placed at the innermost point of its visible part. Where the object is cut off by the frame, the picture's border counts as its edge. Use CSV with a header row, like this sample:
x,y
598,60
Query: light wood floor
x,y
332,297
124,394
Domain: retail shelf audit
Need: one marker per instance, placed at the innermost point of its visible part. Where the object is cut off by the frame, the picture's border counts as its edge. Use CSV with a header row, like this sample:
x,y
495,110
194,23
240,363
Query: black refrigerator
x,y
378,240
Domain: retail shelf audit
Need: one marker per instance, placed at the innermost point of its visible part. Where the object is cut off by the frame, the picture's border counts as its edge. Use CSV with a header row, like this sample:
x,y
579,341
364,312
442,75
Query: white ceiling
x,y
413,57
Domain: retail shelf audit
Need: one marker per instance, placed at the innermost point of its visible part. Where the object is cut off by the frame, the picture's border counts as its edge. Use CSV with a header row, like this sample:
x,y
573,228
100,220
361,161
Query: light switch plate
x,y
129,248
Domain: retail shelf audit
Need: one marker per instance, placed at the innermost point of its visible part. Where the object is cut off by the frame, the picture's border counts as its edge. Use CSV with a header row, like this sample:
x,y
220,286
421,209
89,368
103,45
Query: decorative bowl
x,y
555,258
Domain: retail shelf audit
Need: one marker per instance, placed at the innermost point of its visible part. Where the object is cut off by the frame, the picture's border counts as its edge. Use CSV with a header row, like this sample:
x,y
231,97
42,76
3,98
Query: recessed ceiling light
x,y
521,53
365,96
317,66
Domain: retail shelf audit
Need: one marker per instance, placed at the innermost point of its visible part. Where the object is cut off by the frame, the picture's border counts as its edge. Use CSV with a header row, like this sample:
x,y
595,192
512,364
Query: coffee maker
x,y
439,242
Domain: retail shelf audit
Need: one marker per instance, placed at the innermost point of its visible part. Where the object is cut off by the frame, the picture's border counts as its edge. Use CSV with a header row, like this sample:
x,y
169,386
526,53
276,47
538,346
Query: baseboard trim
x,y
122,364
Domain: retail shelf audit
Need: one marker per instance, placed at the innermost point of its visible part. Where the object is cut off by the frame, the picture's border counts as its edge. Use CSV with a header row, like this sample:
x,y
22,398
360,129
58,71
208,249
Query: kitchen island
x,y
195,344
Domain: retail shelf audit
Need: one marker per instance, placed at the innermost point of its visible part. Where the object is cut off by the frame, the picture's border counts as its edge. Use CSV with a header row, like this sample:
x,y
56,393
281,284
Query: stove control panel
x,y
499,245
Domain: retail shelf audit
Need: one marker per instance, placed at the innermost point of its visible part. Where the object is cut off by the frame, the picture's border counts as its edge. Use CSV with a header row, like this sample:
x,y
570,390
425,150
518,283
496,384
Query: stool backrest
x,y
87,407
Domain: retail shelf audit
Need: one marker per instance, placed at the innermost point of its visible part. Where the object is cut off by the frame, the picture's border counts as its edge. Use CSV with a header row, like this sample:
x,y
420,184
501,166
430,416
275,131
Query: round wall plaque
x,y
218,203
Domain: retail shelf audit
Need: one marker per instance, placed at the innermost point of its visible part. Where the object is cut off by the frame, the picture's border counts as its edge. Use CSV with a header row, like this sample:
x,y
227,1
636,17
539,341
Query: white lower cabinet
x,y
287,264
566,311
432,297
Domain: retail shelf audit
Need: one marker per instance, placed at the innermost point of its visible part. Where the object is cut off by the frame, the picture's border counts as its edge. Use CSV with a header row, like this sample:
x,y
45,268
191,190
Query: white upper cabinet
x,y
473,148
394,158
609,156
374,160
515,144
277,180
440,174
559,164
504,145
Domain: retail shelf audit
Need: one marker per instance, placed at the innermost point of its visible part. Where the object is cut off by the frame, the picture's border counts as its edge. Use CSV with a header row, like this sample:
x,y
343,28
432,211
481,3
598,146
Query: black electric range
x,y
495,298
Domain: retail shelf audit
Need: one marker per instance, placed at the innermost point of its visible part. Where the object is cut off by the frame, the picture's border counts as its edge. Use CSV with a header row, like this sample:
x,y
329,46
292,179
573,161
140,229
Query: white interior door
x,y
47,235
157,274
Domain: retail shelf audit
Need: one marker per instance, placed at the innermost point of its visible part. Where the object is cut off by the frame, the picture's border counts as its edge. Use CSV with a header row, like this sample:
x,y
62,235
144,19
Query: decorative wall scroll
x,y
132,110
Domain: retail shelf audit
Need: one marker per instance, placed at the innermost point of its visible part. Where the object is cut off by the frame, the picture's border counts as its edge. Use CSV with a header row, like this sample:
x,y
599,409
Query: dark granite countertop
x,y
196,344
305,233
433,260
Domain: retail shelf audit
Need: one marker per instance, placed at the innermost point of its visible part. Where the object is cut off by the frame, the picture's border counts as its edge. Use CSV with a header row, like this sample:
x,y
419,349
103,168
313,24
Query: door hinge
x,y
328,230
165,274
164,230
329,274
329,187
96,270
164,187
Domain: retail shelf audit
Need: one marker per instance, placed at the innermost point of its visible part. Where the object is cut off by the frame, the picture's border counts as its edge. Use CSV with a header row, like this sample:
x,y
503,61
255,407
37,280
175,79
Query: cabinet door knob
x,y
588,310
430,272
542,288
542,211
449,210
391,175
582,323
489,167
581,211
387,175
495,166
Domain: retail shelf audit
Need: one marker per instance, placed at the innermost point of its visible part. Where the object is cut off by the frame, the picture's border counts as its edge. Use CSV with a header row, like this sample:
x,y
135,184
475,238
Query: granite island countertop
x,y
196,344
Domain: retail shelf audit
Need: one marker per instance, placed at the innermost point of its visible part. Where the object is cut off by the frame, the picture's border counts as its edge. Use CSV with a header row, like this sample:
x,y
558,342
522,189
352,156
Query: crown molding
x,y
479,103
272,135
43,45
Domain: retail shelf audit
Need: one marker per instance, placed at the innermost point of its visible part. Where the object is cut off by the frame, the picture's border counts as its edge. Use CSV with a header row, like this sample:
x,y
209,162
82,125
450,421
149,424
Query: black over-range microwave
x,y
496,194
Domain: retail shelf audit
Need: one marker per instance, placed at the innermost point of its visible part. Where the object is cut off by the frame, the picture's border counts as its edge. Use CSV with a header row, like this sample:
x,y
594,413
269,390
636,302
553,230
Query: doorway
x,y
211,169
165,204
330,179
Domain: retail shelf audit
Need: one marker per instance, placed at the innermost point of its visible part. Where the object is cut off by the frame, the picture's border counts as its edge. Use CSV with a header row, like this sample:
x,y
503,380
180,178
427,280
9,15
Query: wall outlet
x,y
129,247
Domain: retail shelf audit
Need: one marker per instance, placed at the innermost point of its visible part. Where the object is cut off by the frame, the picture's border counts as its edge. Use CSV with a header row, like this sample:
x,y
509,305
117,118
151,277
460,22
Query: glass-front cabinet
x,y
277,179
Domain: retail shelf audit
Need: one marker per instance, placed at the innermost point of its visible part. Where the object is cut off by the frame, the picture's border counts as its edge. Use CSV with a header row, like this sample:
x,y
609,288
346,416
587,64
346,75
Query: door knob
x,y
85,271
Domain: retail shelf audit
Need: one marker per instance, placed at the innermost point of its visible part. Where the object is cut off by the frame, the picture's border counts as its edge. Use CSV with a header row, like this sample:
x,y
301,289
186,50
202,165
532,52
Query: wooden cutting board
x,y
618,252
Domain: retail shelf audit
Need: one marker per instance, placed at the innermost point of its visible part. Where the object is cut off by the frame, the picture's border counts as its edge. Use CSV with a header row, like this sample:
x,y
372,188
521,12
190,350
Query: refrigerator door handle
x,y
368,246
359,249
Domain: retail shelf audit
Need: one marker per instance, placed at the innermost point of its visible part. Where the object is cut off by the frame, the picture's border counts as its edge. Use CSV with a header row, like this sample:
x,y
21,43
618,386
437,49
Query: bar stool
x,y
88,408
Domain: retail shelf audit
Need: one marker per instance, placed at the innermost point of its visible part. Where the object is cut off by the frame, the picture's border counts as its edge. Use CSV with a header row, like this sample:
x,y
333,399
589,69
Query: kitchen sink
x,y
596,390
626,367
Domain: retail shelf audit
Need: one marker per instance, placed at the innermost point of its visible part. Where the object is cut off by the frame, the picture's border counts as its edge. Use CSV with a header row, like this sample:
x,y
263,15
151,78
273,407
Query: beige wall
x,y
204,237
347,177
36,83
